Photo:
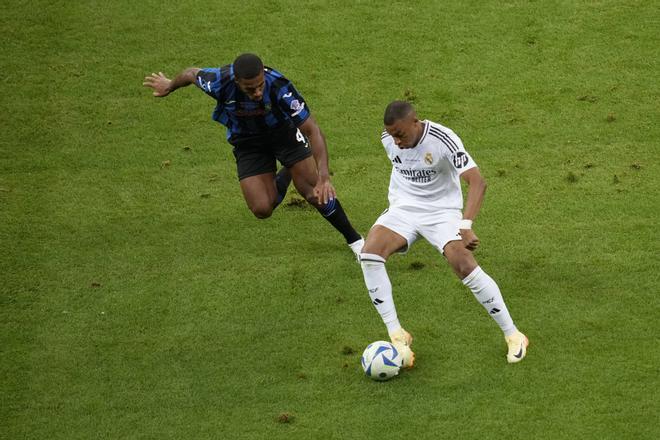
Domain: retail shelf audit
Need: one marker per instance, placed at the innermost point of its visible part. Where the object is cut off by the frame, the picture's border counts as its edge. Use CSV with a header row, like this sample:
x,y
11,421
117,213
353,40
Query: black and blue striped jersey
x,y
281,105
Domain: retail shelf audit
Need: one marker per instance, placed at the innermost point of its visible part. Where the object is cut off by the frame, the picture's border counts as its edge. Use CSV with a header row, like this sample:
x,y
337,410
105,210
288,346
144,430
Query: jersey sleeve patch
x,y
460,159
209,81
452,148
293,104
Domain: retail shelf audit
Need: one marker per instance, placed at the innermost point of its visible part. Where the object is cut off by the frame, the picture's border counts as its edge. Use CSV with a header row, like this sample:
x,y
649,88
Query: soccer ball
x,y
381,361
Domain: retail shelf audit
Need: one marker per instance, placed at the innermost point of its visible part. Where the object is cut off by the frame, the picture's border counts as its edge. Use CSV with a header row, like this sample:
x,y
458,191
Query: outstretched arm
x,y
323,190
163,86
476,190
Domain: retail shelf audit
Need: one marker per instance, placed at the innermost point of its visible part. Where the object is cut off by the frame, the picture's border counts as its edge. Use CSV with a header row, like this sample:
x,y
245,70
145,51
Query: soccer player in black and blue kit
x,y
267,120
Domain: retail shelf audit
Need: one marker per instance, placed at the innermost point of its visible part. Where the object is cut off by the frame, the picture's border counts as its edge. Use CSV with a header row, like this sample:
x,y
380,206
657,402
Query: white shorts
x,y
438,228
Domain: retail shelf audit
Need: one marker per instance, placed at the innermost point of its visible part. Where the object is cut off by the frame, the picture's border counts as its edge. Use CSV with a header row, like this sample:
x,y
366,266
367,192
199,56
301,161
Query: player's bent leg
x,y
380,289
459,258
305,175
383,241
487,292
282,181
260,194
380,244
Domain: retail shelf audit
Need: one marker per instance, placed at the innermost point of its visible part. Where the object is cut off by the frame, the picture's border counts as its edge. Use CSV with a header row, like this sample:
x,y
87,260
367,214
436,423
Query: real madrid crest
x,y
428,158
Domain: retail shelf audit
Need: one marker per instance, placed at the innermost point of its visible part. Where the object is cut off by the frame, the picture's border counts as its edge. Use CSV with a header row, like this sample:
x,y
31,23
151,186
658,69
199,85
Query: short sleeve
x,y
292,104
456,153
208,80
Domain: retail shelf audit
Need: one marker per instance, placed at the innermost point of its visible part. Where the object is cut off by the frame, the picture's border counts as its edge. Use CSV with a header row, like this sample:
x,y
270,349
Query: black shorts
x,y
257,154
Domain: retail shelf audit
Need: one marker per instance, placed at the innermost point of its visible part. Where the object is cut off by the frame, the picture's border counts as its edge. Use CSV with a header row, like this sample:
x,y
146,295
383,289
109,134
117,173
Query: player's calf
x,y
282,181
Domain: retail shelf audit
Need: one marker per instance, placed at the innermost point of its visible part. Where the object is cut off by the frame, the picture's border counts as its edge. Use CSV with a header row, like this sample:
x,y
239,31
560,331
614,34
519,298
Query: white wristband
x,y
465,224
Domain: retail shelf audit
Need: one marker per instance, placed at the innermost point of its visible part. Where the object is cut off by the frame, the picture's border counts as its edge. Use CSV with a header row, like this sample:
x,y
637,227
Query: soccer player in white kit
x,y
426,200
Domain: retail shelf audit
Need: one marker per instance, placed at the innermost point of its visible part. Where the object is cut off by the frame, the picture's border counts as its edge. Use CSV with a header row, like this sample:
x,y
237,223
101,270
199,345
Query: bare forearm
x,y
320,152
319,147
183,79
475,197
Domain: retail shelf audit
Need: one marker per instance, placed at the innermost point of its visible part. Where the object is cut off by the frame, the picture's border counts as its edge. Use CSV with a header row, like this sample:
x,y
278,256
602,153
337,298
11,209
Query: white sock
x,y
380,289
485,290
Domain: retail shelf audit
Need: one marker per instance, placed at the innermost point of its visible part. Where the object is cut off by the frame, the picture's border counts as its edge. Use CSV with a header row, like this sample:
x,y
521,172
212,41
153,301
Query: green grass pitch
x,y
140,299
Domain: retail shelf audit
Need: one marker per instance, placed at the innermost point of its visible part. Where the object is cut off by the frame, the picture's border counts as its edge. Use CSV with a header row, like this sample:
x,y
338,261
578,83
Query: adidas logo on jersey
x,y
397,160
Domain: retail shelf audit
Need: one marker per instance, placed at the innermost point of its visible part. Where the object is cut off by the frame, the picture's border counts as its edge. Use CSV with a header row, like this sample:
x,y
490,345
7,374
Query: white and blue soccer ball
x,y
381,360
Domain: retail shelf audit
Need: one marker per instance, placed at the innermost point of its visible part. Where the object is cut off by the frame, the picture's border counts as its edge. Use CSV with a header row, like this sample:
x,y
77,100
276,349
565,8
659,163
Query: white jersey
x,y
425,178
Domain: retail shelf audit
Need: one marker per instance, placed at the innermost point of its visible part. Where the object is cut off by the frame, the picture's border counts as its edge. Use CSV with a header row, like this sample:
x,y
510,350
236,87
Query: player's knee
x,y
261,211
312,199
307,192
464,268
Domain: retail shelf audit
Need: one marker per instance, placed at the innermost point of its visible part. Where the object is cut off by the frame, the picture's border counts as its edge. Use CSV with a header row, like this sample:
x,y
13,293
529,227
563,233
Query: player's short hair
x,y
397,110
247,66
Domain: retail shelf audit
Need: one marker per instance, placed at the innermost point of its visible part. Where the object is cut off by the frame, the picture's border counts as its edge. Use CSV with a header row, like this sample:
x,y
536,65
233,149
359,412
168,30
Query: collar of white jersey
x,y
427,125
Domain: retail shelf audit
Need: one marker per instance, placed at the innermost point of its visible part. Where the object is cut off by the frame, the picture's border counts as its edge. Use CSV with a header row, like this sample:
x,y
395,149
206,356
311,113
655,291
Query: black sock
x,y
334,213
282,180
